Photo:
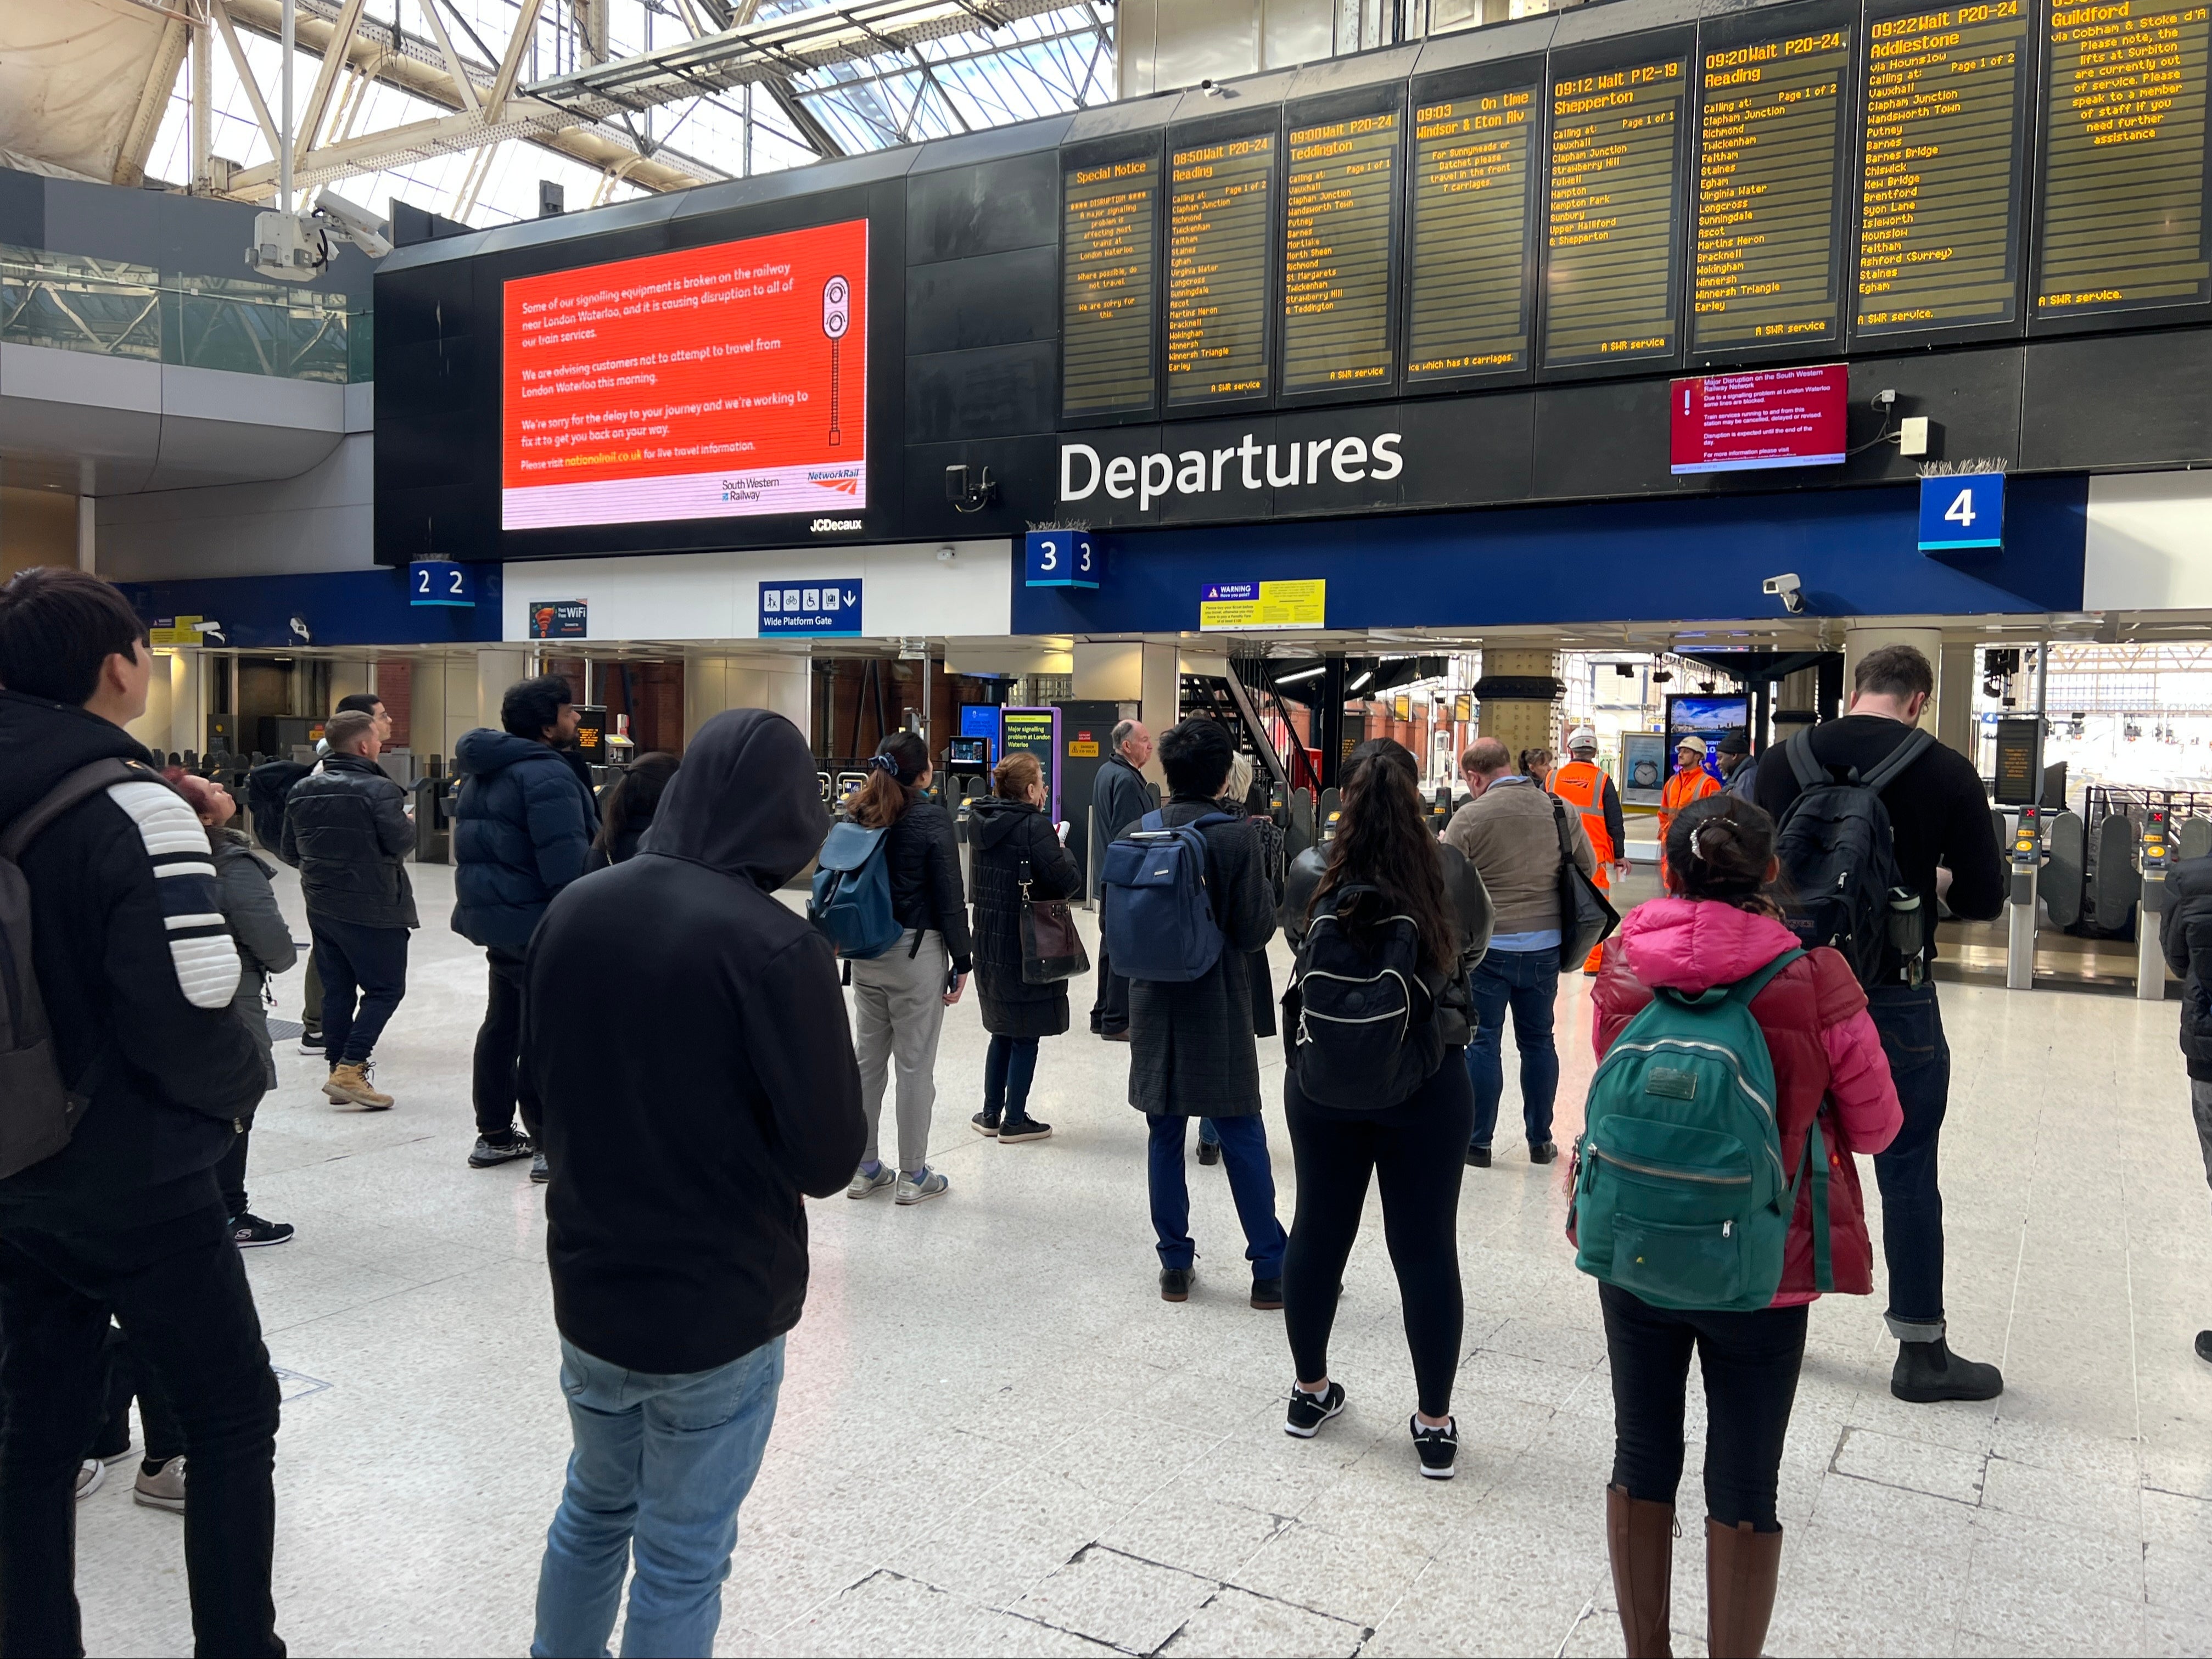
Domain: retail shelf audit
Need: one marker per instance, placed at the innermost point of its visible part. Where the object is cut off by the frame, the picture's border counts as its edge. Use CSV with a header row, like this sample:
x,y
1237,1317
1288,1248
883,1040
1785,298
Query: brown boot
x,y
1639,1536
348,1088
1741,1569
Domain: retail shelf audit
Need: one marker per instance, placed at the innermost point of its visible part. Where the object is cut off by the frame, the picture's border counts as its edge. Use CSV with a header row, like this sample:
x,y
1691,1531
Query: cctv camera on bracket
x,y
1788,589
970,489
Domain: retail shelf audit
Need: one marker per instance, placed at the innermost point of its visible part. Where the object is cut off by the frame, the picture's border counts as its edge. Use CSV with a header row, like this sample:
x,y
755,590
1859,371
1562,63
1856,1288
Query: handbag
x,y
1587,917
1052,949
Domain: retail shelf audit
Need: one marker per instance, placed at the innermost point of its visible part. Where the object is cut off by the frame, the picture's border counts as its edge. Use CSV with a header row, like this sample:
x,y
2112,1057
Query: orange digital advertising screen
x,y
717,382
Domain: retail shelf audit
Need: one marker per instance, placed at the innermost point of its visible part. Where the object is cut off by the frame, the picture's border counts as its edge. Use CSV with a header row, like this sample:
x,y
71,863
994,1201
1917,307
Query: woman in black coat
x,y
627,811
1011,842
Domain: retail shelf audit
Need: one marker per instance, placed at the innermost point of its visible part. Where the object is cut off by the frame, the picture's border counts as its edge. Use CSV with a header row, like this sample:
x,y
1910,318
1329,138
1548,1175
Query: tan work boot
x,y
349,1088
1639,1536
1742,1569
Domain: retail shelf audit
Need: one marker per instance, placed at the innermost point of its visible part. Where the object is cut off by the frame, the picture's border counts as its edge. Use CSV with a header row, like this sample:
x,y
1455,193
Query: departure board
x,y
1340,199
1218,202
1110,231
2124,181
1467,304
1940,177
1769,134
1611,278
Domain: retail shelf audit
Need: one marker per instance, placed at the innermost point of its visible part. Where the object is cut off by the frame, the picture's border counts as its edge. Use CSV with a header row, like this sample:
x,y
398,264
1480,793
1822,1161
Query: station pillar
x,y
1956,679
780,682
1797,704
1860,641
1518,692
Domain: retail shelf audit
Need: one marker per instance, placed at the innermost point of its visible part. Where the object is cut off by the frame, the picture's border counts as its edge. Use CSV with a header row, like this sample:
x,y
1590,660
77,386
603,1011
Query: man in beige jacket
x,y
1509,832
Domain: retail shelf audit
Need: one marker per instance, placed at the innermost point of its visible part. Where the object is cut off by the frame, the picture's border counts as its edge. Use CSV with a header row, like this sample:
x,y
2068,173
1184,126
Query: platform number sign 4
x,y
1960,511
438,581
1060,558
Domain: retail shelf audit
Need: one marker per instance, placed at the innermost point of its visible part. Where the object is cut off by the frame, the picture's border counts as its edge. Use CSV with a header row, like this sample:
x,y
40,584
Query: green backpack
x,y
1679,1194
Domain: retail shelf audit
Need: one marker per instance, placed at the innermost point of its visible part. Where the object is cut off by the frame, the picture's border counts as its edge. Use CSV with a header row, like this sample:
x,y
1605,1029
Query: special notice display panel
x,y
727,381
1109,232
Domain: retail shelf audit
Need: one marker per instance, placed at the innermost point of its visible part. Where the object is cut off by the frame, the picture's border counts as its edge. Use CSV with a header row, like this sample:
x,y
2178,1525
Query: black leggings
x,y
1009,1067
1416,1157
1750,1361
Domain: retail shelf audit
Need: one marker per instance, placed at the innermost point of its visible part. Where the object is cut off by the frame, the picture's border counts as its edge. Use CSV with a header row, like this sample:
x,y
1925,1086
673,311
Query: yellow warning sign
x,y
1229,606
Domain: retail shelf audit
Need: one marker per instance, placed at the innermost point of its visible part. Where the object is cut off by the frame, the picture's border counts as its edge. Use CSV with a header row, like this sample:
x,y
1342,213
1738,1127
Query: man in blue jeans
x,y
674,1226
1509,831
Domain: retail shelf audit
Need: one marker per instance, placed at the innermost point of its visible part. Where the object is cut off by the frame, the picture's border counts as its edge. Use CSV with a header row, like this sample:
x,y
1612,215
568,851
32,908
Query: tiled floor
x,y
995,1438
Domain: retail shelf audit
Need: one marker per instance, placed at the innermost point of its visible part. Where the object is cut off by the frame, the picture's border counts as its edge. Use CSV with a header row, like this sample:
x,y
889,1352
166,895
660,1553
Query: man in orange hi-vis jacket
x,y
1586,786
1690,784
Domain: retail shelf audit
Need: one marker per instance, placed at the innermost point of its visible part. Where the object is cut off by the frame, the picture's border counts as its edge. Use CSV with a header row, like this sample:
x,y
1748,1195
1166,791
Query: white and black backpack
x,y
1360,1018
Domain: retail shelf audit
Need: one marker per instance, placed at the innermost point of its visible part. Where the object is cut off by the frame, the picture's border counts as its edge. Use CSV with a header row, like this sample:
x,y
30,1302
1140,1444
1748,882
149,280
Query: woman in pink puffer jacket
x,y
1718,925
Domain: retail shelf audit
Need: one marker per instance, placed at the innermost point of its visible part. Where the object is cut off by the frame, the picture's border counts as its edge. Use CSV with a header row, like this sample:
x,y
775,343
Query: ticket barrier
x,y
2150,958
434,817
1302,822
2025,860
2192,838
2065,869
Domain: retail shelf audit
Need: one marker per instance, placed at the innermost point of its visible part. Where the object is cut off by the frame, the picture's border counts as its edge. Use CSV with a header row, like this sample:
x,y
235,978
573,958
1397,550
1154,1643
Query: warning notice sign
x,y
727,381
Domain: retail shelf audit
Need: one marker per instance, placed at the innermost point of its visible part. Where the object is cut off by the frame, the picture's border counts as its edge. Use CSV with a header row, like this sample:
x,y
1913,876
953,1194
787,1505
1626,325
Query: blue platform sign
x,y
1059,558
1961,511
816,605
440,581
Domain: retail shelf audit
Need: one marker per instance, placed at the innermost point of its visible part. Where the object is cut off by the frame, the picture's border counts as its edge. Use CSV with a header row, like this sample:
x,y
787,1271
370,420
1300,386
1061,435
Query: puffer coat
x,y
522,829
1003,836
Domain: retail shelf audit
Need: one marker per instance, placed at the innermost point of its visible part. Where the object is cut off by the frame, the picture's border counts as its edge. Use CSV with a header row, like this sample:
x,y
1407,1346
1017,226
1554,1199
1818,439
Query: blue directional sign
x,y
1960,511
1059,558
813,604
440,582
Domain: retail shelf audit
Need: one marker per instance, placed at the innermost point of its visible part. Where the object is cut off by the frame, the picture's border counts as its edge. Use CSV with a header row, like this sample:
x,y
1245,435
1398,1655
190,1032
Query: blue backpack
x,y
1159,922
852,898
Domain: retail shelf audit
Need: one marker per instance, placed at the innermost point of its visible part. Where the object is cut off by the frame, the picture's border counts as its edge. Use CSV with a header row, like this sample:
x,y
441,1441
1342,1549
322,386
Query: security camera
x,y
354,222
210,632
946,555
1788,589
970,489
301,632
290,246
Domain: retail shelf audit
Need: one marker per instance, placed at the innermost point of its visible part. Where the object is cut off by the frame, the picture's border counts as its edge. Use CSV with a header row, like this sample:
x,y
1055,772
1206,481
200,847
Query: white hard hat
x,y
1695,745
1581,738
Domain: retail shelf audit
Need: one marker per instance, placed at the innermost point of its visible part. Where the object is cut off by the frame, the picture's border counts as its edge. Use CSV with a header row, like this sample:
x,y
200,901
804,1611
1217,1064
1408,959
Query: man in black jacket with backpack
x,y
137,970
1943,848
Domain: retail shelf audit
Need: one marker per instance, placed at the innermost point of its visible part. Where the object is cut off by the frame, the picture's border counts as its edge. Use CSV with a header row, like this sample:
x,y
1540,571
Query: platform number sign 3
x,y
438,581
1060,558
1961,510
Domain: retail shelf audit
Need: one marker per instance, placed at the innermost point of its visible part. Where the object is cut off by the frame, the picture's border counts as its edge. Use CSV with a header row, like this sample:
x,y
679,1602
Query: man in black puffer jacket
x,y
137,970
346,830
2186,930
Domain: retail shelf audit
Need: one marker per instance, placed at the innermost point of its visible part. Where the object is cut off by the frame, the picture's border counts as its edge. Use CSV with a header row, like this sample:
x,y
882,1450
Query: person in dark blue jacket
x,y
522,831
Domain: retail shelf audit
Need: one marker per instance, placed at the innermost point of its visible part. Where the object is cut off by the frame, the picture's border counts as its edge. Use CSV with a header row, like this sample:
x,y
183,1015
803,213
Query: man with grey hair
x,y
1118,797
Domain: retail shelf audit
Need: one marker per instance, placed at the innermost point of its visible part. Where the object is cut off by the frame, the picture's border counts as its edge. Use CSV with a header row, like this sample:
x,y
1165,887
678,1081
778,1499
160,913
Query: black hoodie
x,y
689,1040
2186,930
138,971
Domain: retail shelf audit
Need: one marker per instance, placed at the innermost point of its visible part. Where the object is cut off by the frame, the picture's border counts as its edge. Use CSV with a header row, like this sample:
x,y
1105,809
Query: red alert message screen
x,y
717,382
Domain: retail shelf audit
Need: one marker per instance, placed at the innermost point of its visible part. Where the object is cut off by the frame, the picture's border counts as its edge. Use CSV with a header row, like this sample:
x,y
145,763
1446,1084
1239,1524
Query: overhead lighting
x,y
1303,674
1362,680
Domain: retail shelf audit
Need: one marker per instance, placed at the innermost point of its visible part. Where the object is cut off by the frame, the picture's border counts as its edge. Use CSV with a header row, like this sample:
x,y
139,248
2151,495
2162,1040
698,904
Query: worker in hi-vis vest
x,y
1691,784
1588,789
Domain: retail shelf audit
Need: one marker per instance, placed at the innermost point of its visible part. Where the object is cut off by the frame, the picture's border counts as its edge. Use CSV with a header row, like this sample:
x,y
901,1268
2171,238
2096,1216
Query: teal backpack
x,y
1681,1197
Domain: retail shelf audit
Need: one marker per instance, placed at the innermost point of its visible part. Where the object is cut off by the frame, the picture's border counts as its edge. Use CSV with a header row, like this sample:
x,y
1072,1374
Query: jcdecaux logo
x,y
1249,465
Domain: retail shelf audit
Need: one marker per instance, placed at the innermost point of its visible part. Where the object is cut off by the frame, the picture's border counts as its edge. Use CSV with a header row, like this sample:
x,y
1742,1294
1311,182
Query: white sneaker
x,y
862,1183
90,1475
913,1191
163,1490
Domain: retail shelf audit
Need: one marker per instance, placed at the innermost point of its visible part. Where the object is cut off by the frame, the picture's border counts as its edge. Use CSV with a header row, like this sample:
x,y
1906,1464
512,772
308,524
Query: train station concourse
x,y
602,1060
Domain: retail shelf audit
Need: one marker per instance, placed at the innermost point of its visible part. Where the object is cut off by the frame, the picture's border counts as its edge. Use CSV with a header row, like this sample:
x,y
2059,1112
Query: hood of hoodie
x,y
42,743
482,751
1688,945
995,819
745,801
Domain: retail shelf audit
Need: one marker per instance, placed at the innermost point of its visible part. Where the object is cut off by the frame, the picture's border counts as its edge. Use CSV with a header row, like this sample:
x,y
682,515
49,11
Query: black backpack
x,y
38,1111
1360,1022
268,787
1838,857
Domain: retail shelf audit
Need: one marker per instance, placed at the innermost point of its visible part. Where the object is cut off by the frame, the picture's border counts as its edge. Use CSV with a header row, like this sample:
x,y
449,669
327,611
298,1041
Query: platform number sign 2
x,y
1060,558
438,581
1961,510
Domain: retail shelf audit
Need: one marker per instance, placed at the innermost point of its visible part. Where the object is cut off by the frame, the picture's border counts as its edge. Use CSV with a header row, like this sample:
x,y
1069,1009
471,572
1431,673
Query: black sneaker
x,y
311,1042
1022,1128
248,1230
490,1153
540,1171
1309,1412
1438,1448
1477,1158
1267,1294
1543,1151
1209,1151
1175,1283
986,1125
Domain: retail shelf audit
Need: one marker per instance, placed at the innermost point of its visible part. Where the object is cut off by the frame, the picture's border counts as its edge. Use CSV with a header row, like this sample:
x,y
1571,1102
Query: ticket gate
x,y
2150,958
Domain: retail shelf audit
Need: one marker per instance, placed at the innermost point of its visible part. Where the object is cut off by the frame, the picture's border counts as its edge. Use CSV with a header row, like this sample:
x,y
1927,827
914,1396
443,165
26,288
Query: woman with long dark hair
x,y
627,812
1016,855
899,997
1385,866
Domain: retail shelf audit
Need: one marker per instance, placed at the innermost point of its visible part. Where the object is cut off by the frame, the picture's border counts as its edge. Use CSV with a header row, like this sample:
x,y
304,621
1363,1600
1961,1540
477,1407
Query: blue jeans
x,y
1251,1184
660,1466
1528,981
1912,1028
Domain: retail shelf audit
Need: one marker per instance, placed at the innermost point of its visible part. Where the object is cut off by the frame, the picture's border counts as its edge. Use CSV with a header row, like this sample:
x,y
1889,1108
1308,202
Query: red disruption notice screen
x,y
715,382
1769,417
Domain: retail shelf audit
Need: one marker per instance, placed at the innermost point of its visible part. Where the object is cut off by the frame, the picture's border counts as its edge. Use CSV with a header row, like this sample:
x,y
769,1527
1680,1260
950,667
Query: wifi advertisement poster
x,y
726,382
